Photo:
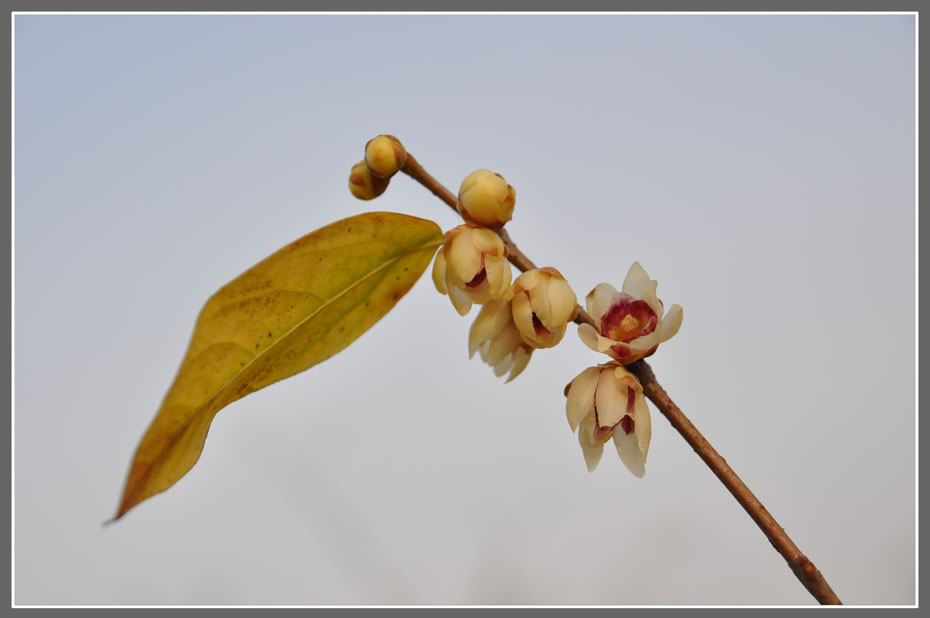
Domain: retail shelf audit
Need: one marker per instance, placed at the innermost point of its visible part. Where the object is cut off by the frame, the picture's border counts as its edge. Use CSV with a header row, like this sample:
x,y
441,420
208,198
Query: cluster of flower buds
x,y
471,267
384,157
607,401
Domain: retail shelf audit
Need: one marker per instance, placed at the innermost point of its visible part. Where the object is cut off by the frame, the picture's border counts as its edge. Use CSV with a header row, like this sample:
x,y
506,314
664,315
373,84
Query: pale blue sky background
x,y
761,168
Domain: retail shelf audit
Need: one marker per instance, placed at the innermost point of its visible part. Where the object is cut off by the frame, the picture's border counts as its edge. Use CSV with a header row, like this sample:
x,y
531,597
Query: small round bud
x,y
363,184
486,198
385,155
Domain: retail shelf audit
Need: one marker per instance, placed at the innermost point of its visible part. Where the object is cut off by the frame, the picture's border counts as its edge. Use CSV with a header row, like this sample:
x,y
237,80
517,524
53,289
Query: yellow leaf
x,y
294,309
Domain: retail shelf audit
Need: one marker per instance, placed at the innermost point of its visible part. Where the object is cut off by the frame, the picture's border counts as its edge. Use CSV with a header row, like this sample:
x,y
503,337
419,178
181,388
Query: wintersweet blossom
x,y
471,267
543,305
497,340
607,402
631,321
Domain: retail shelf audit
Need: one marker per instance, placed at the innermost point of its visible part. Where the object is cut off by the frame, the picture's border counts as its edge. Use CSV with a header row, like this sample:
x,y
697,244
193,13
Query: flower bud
x,y
385,155
471,267
543,305
607,402
496,339
486,198
363,184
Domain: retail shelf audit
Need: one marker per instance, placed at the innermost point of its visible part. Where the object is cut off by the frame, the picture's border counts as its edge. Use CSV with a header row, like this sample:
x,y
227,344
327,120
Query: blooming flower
x,y
543,305
497,340
631,321
486,198
607,402
471,267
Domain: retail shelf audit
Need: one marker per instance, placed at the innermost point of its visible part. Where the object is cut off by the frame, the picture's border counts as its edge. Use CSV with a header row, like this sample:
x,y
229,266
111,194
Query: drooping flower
x,y
606,402
543,305
497,340
631,321
471,267
486,198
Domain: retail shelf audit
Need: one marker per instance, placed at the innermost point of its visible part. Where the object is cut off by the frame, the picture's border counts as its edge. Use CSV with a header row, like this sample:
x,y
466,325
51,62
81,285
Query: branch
x,y
800,565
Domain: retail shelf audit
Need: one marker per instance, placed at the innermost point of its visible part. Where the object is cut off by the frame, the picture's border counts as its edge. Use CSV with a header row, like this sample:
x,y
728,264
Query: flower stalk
x,y
808,574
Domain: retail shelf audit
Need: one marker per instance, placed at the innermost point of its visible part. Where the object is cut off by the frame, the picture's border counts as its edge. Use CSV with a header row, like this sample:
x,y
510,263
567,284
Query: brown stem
x,y
800,565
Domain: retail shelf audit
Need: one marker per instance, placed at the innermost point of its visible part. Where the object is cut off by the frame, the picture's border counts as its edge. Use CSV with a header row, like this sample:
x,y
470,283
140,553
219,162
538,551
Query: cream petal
x,y
580,400
503,366
592,452
486,241
480,294
630,455
600,299
642,345
483,350
521,358
503,289
523,318
460,300
636,279
539,299
491,320
611,399
439,272
648,294
604,343
503,344
670,323
528,280
463,258
562,301
588,336
496,271
642,425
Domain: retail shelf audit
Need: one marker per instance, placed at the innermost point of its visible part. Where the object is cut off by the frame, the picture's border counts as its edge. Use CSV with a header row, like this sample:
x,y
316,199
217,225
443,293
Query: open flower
x,y
471,267
497,340
543,305
607,402
631,321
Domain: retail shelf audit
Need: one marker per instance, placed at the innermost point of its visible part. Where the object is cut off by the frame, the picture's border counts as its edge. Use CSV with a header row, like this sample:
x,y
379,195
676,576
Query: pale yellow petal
x,y
486,241
521,358
523,318
439,272
648,292
670,323
630,455
636,279
611,399
463,258
580,400
562,301
539,299
642,425
503,366
460,300
592,452
491,320
504,344
588,336
600,299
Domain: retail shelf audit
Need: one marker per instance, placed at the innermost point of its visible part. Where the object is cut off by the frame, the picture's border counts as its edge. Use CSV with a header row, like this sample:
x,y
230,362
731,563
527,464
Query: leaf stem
x,y
800,565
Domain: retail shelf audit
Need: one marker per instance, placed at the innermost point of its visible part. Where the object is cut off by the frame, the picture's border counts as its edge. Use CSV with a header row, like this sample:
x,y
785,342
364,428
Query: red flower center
x,y
628,319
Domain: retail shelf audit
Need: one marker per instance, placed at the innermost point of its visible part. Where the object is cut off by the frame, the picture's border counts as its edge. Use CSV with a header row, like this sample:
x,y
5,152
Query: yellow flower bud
x,y
385,155
543,305
471,267
363,184
486,198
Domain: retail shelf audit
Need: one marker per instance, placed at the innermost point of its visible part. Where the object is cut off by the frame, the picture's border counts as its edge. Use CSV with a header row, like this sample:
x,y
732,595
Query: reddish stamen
x,y
539,328
627,424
